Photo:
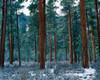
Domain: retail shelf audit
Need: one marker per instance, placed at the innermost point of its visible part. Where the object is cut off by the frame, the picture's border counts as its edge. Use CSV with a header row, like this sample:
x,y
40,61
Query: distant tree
x,y
97,24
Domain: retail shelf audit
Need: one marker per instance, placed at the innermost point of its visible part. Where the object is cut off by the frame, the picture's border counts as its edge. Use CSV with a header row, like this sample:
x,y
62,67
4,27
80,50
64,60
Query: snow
x,y
53,71
86,74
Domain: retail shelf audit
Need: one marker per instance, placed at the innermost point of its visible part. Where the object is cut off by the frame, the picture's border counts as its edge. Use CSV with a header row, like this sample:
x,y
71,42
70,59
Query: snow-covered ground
x,y
52,71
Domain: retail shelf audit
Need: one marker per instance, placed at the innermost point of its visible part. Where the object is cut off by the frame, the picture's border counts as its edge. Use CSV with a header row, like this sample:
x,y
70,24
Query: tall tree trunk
x,y
2,25
50,49
11,36
4,33
97,23
55,45
70,37
78,57
84,35
50,44
44,30
41,36
93,42
45,50
75,55
89,41
35,45
65,47
18,39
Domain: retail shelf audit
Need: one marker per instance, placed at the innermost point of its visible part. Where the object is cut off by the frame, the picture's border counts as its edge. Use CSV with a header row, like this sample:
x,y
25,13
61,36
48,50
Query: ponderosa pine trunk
x,y
35,45
50,44
2,25
41,36
4,33
11,36
75,55
65,47
93,41
50,49
44,30
70,36
18,39
55,46
97,24
84,35
89,41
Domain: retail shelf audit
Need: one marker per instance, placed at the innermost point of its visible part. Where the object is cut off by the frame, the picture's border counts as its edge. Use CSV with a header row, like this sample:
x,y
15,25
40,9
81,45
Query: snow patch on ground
x,y
84,76
53,71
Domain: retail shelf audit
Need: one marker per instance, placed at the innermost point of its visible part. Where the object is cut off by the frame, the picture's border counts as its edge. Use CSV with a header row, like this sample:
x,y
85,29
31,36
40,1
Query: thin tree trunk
x,y
35,45
55,45
65,47
44,30
97,23
45,50
11,37
41,36
84,35
70,37
18,39
75,55
50,45
4,33
93,42
50,49
89,41
2,25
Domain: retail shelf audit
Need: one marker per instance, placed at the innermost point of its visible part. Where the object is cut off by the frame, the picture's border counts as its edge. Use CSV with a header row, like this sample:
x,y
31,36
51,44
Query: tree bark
x,y
35,45
55,45
65,47
2,25
97,24
50,44
70,37
4,33
18,40
93,42
75,55
89,41
84,35
41,36
44,30
11,36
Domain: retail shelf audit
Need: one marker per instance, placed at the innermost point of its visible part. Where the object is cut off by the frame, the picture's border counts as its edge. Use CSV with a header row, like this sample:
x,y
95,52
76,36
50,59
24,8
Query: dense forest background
x,y
63,39
54,42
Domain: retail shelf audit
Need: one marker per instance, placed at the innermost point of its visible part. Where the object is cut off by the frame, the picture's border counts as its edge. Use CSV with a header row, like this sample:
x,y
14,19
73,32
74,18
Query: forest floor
x,y
53,71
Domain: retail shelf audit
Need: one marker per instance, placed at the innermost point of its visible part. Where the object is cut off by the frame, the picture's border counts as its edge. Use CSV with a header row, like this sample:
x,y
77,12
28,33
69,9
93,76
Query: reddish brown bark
x,y
50,49
18,39
97,24
70,37
44,30
50,44
89,41
93,42
41,36
4,33
11,37
3,2
65,47
84,35
75,56
35,45
55,45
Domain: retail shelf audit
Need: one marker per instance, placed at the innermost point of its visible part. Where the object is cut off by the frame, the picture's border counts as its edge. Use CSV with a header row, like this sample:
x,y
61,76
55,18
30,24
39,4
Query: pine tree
x,y
84,35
